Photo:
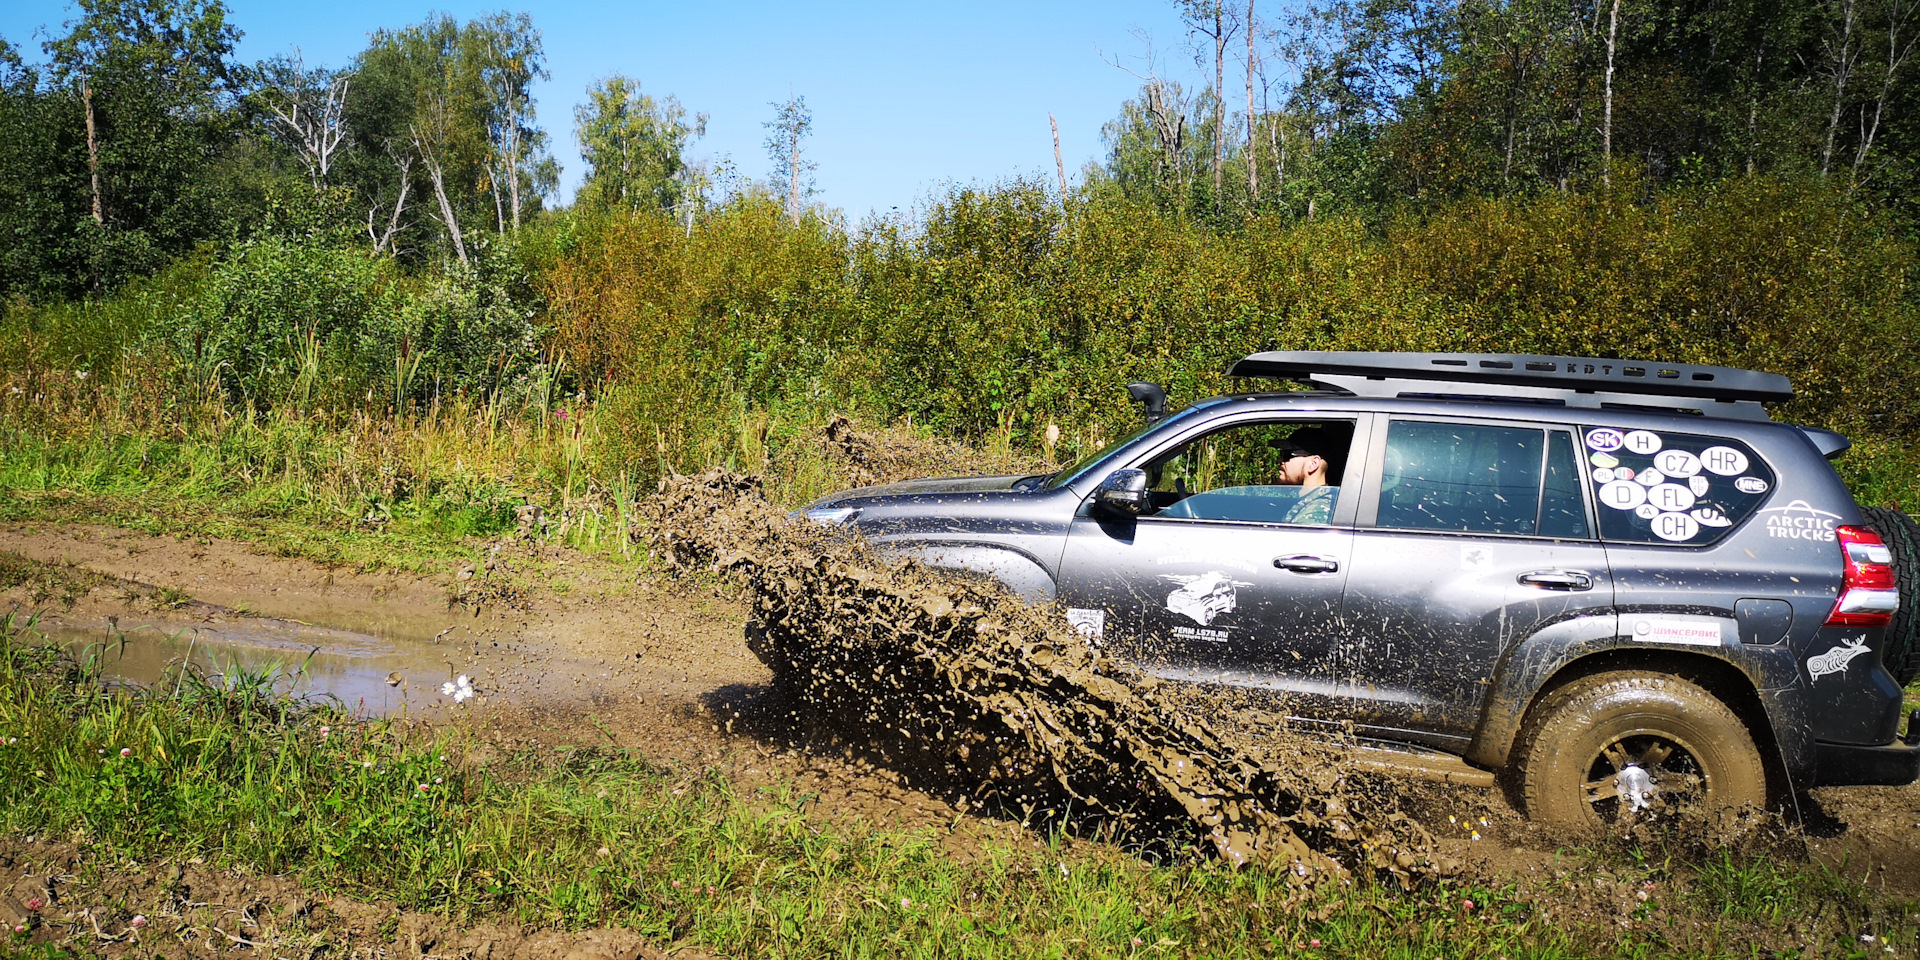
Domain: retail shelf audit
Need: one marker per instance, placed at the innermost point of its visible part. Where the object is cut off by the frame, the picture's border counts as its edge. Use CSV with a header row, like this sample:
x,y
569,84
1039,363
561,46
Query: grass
x,y
230,769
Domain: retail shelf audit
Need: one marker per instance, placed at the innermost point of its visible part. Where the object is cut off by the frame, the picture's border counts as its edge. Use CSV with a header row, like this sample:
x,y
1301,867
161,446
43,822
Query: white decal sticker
x,y
1623,473
1670,496
1800,520
1677,463
1642,442
1605,439
1604,460
1710,517
1698,484
1202,597
1725,461
1836,659
1646,511
1649,477
1476,558
1750,485
1089,623
1623,494
1675,527
1602,474
1694,633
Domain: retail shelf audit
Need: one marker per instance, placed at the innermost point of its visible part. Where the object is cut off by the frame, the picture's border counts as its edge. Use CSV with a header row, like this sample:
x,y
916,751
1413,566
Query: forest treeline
x,y
1724,182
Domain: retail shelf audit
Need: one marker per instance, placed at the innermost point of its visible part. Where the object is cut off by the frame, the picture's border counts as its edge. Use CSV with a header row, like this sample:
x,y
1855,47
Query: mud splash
x,y
960,679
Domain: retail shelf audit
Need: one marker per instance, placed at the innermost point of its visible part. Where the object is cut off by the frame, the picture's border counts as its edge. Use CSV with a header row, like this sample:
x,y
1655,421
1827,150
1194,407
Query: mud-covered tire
x,y
1698,752
1901,652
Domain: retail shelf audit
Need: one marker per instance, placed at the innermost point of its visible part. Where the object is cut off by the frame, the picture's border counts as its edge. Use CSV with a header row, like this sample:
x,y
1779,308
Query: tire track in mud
x,y
955,681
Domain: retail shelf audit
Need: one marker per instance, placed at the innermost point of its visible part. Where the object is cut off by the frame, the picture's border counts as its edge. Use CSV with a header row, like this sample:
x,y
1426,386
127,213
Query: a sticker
x,y
1602,474
1710,517
1698,484
1677,463
1750,485
1649,478
1642,442
1605,439
1202,597
1476,558
1800,520
1089,623
1693,633
1670,496
1623,494
1604,460
1623,473
1646,511
1836,659
1725,461
1675,527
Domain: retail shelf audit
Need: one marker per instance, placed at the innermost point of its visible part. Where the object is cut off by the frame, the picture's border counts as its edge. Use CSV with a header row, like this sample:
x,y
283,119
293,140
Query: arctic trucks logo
x,y
1800,521
1836,660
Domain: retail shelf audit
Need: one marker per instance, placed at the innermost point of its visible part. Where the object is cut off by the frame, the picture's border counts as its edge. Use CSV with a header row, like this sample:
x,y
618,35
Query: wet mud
x,y
969,691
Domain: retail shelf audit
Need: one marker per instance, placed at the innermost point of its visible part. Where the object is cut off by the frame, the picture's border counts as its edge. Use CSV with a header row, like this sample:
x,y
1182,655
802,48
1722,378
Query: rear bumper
x,y
1844,764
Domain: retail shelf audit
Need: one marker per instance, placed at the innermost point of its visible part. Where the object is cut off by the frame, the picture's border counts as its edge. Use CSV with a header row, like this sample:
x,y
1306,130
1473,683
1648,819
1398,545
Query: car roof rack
x,y
1595,382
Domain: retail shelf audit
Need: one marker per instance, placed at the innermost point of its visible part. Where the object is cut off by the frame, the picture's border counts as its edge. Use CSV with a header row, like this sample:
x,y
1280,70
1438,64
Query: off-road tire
x,y
1901,650
1712,764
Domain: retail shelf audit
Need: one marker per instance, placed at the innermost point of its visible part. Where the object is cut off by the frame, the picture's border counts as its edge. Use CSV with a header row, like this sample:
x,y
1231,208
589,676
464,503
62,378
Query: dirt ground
x,y
568,649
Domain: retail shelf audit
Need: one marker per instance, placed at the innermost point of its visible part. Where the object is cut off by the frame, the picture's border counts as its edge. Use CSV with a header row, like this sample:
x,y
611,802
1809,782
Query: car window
x,y
1663,487
1563,513
1461,477
1241,473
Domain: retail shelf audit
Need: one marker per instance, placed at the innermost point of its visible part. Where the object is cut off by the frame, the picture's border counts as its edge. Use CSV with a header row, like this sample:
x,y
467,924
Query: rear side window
x,y
1563,513
1462,477
1661,487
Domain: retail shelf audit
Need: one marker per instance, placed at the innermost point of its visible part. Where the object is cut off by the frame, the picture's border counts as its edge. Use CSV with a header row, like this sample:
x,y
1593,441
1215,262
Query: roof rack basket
x,y
1573,381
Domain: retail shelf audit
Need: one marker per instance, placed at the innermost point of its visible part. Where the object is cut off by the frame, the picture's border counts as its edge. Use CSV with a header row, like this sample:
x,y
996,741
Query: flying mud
x,y
957,681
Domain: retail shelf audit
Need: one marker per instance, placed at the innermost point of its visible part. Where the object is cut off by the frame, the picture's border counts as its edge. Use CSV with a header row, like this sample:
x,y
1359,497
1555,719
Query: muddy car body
x,y
1525,559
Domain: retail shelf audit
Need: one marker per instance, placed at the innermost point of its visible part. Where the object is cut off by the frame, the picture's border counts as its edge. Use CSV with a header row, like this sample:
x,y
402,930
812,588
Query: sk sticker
x,y
1089,623
1605,440
1204,596
1837,659
1642,442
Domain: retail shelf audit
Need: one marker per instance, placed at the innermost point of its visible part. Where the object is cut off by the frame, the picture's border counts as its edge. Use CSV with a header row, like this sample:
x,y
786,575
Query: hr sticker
x,y
1725,461
1836,659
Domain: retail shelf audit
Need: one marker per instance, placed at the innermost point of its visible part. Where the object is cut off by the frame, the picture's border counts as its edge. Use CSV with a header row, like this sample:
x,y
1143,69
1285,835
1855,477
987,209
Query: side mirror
x,y
1125,492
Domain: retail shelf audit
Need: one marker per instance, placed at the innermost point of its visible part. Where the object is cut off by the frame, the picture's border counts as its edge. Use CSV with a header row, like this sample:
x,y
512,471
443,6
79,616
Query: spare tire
x,y
1901,653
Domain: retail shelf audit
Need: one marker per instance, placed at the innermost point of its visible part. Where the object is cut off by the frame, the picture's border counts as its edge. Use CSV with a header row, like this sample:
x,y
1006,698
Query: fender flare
x,y
1023,575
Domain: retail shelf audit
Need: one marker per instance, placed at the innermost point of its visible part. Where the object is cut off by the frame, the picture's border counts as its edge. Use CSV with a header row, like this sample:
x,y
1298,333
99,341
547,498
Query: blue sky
x,y
906,96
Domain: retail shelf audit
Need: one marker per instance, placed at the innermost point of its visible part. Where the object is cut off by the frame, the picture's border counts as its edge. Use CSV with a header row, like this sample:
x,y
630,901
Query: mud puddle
x,y
363,673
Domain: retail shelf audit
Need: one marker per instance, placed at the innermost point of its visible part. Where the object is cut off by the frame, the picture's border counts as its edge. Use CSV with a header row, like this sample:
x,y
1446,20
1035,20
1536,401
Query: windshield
x,y
1085,463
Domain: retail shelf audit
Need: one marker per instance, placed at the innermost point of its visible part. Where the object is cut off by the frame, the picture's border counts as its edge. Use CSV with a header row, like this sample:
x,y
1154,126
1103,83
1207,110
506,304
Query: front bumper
x,y
1844,764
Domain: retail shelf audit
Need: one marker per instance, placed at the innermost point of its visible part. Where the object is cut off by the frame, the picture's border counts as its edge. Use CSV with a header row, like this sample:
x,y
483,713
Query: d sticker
x,y
1622,494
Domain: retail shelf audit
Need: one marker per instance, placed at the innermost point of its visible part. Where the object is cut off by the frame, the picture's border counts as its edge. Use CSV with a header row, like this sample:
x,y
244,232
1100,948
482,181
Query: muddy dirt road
x,y
568,649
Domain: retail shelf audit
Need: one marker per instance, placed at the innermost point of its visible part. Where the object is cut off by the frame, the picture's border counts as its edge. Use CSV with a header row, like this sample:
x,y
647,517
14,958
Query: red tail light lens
x,y
1868,595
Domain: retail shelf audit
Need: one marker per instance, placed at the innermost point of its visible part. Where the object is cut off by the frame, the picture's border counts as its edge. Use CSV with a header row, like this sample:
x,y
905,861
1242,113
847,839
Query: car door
x,y
1474,535
1230,580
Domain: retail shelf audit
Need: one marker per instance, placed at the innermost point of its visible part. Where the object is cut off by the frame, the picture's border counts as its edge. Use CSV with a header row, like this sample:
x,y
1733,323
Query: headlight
x,y
833,515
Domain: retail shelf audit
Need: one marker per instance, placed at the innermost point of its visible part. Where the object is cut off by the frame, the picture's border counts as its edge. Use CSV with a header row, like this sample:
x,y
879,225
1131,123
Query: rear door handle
x,y
1558,579
1306,563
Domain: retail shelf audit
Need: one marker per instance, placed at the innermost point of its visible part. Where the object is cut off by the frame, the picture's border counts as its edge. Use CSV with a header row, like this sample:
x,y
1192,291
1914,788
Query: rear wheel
x,y
1901,652
1624,746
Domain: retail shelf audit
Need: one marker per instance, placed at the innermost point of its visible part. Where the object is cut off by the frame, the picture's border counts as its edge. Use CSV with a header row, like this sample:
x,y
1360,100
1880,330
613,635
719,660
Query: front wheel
x,y
1625,746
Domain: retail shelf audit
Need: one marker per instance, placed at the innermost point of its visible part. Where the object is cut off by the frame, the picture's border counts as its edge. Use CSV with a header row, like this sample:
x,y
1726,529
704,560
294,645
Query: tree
x,y
792,123
634,146
308,109
1210,19
511,58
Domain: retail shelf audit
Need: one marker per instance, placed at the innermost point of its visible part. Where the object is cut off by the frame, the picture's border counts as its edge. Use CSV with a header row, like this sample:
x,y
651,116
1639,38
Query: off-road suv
x,y
1620,583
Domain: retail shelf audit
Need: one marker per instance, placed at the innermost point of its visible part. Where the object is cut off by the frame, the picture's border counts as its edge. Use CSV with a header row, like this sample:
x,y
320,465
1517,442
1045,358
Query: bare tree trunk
x,y
1058,163
1606,120
513,171
93,155
1843,62
793,175
1897,55
383,242
1253,159
1219,95
440,193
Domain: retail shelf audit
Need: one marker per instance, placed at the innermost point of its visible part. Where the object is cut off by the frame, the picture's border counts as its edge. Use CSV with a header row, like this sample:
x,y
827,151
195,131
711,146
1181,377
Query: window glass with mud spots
x,y
1661,487
1266,472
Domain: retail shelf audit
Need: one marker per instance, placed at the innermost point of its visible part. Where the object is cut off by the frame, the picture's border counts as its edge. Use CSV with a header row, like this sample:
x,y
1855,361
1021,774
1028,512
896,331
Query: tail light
x,y
1868,595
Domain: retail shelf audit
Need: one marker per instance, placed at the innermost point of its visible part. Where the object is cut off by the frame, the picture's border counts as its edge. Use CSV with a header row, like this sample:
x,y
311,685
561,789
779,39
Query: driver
x,y
1308,470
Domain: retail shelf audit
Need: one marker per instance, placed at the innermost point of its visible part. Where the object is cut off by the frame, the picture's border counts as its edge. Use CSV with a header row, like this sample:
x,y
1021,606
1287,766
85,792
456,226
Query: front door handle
x,y
1306,563
1558,579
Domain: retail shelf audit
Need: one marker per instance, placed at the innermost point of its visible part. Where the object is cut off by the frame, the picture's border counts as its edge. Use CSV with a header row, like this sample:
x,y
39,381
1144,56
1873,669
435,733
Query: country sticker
x,y
1649,477
1670,497
1602,474
1677,463
1750,485
1623,494
1642,442
1646,511
1605,439
1604,460
1675,526
1710,517
1623,473
1725,461
1698,484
